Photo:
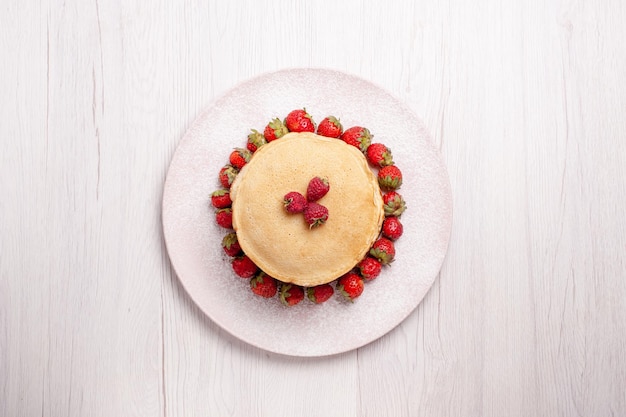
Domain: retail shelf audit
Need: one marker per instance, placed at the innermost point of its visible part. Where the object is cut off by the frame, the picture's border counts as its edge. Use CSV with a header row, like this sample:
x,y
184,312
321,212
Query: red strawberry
x,y
315,214
390,177
330,127
231,244
227,175
392,228
299,121
317,188
379,155
274,130
221,199
394,204
369,268
319,293
291,294
294,202
383,250
239,157
244,267
350,285
264,285
224,217
255,140
358,136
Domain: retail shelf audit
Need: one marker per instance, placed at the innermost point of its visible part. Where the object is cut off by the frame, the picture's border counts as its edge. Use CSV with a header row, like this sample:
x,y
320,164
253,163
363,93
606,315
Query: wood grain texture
x,y
526,101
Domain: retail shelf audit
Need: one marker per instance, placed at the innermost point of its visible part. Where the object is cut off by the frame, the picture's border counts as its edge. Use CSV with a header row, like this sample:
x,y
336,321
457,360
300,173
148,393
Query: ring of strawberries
x,y
382,252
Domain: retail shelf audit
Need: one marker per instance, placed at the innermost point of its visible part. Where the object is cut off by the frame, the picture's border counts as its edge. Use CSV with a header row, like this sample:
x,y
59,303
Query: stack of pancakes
x,y
282,244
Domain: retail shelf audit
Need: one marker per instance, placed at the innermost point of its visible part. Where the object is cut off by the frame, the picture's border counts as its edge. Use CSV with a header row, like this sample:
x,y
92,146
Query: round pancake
x,y
282,244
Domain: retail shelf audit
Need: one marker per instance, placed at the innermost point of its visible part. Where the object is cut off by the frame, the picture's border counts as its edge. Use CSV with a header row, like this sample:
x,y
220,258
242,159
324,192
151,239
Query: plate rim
x,y
187,136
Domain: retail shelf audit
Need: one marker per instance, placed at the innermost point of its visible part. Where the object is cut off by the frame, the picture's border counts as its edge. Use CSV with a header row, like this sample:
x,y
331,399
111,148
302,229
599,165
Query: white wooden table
x,y
526,100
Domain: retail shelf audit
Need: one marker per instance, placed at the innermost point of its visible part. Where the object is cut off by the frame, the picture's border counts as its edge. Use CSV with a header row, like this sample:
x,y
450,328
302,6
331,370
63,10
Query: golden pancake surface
x,y
282,244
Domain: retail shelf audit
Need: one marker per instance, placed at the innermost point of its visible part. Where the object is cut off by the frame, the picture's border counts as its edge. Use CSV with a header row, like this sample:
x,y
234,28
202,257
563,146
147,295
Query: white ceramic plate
x,y
194,240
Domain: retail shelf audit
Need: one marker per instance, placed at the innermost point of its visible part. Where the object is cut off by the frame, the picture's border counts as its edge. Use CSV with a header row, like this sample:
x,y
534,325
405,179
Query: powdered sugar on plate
x,y
193,239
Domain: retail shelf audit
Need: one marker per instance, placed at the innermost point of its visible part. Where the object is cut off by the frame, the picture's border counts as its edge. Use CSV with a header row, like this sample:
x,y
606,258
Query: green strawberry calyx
x,y
395,207
256,138
382,256
229,240
278,127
